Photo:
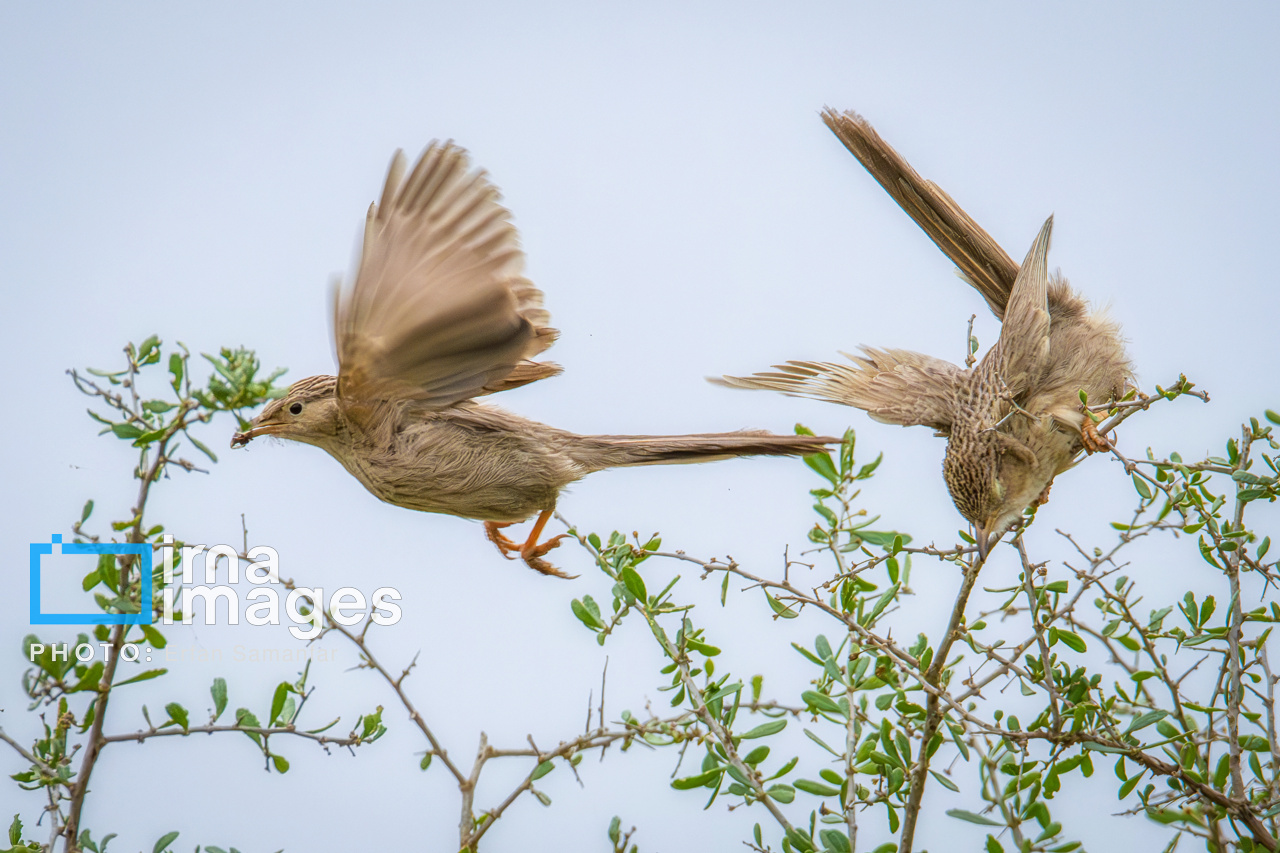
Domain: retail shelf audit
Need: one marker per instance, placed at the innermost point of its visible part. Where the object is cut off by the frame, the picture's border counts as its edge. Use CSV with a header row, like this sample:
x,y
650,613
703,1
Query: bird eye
x,y
295,409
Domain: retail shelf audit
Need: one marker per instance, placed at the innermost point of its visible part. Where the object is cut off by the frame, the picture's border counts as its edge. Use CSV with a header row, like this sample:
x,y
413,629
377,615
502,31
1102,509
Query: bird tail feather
x,y
598,452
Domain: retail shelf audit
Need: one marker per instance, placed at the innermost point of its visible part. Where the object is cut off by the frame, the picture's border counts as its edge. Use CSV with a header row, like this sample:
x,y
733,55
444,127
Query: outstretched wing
x,y
439,312
1021,355
892,385
979,258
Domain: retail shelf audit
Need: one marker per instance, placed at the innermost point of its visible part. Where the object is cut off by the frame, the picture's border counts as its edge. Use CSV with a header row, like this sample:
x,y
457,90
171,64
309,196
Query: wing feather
x,y
439,311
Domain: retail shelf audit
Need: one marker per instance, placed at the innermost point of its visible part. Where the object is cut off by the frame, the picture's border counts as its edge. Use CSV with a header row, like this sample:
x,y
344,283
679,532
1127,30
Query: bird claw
x,y
1093,441
533,557
492,531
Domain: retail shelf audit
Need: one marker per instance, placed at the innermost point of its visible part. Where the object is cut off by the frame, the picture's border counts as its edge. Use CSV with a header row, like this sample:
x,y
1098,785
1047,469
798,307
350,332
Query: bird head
x,y
992,480
308,412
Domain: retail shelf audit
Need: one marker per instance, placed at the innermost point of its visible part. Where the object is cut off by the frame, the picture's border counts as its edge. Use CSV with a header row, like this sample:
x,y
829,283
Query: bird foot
x,y
492,531
533,555
1093,441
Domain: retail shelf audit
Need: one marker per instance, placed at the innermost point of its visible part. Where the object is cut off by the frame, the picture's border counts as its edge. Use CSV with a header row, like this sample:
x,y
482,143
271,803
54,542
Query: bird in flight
x,y
439,315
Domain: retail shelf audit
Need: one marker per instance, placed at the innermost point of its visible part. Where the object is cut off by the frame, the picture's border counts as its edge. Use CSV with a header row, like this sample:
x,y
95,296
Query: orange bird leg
x,y
492,531
533,553
1092,440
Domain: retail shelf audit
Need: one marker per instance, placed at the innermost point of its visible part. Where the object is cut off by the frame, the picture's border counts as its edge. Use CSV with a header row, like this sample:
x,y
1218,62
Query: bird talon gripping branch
x,y
1093,441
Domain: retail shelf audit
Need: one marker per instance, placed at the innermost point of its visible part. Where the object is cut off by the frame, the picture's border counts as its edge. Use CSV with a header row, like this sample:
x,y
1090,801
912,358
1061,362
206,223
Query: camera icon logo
x,y
143,552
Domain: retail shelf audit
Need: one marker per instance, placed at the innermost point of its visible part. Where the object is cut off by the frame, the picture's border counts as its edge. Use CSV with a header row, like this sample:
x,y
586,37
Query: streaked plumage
x,y
1014,421
440,314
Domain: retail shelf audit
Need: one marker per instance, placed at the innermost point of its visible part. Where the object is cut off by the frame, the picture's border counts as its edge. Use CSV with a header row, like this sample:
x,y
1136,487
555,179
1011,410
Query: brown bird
x,y
440,314
1015,420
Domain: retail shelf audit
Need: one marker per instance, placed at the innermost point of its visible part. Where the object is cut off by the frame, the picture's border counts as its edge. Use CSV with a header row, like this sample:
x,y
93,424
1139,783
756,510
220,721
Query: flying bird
x,y
439,315
1013,421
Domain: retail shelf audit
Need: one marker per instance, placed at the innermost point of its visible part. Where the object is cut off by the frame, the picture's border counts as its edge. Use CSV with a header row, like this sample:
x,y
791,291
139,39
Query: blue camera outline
x,y
143,551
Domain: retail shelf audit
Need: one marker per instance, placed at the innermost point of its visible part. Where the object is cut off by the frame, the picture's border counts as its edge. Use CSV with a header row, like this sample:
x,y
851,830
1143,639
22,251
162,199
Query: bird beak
x,y
983,541
241,439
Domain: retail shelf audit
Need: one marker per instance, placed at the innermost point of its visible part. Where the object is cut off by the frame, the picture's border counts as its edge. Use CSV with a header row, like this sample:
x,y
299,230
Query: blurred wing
x,y
979,258
523,373
893,386
439,312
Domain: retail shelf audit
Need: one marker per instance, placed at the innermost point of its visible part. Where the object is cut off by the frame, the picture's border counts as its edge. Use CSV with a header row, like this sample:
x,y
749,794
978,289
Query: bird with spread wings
x,y
439,315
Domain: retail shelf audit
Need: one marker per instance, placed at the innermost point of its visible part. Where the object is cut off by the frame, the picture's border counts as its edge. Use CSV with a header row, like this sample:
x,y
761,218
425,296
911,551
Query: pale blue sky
x,y
203,172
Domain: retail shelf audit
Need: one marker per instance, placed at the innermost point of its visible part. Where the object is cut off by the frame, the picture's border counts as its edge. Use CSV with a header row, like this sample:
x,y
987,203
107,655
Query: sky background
x,y
203,173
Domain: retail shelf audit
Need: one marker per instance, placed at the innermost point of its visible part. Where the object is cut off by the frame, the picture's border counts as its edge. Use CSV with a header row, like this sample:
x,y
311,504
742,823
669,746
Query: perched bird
x,y
1014,421
440,314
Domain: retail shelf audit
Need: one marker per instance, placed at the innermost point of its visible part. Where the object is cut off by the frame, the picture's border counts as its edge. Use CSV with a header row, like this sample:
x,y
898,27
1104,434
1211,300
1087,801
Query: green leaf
x,y
961,814
1102,747
635,584
277,701
782,793
147,348
175,371
219,692
765,729
15,831
944,781
247,719
1072,641
724,691
835,841
542,770
779,608
822,702
154,637
86,512
1057,586
687,783
178,714
1147,719
883,602
816,788
164,842
206,451
993,846
142,676
820,742
867,470
822,464
1143,489
281,763
127,431
587,615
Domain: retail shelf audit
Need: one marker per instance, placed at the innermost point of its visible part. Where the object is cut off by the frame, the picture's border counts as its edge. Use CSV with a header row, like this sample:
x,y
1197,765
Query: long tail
x,y
979,258
598,452
893,386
